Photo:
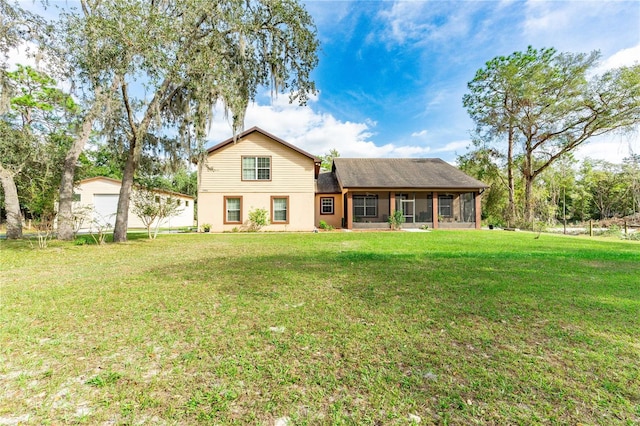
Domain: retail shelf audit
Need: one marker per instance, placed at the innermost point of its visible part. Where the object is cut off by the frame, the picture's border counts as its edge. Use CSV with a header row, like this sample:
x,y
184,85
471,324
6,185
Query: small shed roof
x,y
401,173
327,183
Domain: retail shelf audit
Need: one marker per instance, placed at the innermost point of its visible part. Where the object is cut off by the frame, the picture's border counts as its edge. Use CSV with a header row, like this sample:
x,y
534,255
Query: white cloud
x,y
547,16
423,22
411,151
612,148
315,132
621,58
402,22
454,146
438,99
580,26
419,134
503,4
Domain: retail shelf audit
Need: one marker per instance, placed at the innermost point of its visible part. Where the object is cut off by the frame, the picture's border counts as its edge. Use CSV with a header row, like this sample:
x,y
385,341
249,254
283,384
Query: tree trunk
x,y
528,200
122,216
135,150
66,229
511,214
11,204
527,173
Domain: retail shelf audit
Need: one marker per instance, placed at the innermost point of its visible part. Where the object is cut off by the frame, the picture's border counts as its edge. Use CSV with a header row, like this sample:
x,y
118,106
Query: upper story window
x,y
256,168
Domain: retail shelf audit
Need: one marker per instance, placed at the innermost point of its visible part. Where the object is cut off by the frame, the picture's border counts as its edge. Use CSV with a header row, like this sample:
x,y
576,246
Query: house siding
x,y
334,219
211,211
290,171
292,175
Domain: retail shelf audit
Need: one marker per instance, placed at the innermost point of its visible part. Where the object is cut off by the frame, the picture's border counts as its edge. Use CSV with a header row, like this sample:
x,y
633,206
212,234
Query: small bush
x,y
258,218
496,221
324,225
206,227
633,236
613,231
79,241
396,220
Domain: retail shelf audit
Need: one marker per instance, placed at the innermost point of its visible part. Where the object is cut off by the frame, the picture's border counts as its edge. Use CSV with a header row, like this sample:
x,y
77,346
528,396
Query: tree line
x,y
568,191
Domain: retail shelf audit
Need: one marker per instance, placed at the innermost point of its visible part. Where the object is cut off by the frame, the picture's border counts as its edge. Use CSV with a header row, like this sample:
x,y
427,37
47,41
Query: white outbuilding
x,y
96,202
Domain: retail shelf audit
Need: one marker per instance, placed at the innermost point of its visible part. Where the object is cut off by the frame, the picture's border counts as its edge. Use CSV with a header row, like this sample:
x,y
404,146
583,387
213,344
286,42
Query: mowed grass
x,y
330,328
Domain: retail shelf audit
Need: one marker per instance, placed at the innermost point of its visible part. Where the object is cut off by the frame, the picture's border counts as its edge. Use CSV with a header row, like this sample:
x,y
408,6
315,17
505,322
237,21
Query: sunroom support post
x,y
349,210
392,203
478,199
434,198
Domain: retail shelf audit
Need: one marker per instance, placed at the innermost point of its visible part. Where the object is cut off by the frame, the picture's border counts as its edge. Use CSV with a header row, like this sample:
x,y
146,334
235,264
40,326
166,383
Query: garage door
x,y
105,207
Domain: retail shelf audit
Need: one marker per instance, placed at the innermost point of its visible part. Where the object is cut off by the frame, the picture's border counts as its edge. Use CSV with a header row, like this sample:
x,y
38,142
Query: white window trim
x,y
322,205
287,209
256,169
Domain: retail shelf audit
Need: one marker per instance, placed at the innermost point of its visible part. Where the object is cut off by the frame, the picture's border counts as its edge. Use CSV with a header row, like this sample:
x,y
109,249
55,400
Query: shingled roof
x,y
401,173
327,183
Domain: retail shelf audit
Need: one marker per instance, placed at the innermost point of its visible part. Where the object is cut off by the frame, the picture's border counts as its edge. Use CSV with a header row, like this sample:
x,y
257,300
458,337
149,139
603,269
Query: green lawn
x,y
330,328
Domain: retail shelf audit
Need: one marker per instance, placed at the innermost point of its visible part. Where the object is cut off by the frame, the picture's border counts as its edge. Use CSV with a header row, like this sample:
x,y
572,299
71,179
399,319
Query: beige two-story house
x,y
257,170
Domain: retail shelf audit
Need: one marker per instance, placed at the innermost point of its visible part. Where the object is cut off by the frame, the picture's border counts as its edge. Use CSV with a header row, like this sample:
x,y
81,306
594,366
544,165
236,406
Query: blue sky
x,y
392,73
